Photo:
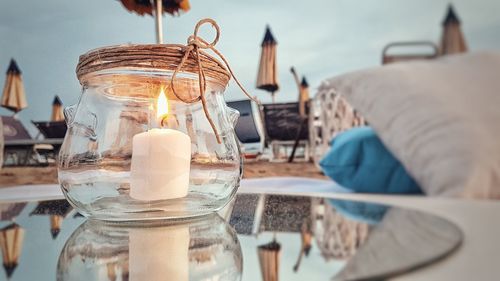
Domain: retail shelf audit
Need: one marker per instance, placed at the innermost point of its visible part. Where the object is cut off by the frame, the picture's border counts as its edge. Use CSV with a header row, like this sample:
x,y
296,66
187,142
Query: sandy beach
x,y
10,176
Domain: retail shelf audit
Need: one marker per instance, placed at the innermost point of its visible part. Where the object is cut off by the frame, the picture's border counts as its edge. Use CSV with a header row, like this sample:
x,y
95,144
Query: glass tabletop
x,y
257,237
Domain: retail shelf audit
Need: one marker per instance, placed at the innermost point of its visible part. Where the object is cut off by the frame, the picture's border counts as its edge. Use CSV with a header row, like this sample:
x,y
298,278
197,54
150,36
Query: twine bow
x,y
194,44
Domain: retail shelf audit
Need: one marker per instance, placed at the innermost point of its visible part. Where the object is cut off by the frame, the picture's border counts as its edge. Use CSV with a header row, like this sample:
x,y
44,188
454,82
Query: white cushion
x,y
440,118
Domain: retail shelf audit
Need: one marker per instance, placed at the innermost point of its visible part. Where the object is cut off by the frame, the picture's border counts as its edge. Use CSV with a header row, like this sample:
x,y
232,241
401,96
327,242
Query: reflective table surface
x,y
256,237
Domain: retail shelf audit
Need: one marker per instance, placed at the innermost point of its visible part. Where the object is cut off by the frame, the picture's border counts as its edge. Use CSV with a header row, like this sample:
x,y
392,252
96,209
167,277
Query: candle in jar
x,y
161,161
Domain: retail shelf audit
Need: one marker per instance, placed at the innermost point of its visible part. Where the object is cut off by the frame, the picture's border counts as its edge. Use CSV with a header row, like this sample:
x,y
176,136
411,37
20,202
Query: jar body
x,y
97,155
204,249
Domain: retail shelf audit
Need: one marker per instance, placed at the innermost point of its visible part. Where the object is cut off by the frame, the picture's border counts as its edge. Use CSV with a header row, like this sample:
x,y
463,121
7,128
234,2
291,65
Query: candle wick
x,y
169,121
162,121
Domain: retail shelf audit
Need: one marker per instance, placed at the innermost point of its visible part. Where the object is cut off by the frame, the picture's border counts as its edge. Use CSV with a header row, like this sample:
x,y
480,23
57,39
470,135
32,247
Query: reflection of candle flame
x,y
162,106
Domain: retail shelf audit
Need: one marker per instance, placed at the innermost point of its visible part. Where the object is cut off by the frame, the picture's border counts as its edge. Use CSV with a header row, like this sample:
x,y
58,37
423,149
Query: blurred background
x,y
320,38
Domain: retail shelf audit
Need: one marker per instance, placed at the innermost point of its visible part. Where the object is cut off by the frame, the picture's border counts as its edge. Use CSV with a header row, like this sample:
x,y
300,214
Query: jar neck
x,y
134,83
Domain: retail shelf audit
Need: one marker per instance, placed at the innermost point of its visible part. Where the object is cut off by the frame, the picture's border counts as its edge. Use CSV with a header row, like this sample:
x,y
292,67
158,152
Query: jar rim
x,y
162,57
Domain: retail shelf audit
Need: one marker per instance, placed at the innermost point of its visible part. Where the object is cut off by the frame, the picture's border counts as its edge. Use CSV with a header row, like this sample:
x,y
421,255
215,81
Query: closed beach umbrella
x,y
142,7
452,40
303,87
269,260
13,97
267,77
11,243
304,96
57,110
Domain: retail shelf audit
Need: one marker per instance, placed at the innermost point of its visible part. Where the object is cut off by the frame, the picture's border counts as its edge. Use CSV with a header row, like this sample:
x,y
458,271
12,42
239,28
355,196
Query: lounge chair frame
x,y
281,123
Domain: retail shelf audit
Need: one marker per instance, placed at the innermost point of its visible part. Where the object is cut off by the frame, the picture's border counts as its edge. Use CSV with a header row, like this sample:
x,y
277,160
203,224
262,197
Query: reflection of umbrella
x,y
143,7
269,259
11,243
122,267
267,77
55,225
57,110
13,97
57,209
452,40
111,270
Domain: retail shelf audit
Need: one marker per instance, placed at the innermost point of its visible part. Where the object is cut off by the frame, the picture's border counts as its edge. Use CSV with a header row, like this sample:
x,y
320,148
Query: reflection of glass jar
x,y
177,167
205,249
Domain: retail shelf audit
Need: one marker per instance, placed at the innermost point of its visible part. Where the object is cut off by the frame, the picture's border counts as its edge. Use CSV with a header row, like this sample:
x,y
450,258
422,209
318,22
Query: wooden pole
x,y
297,139
302,116
159,26
299,259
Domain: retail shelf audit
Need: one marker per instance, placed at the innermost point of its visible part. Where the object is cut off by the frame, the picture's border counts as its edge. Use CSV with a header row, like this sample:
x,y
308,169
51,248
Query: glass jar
x,y
136,149
206,249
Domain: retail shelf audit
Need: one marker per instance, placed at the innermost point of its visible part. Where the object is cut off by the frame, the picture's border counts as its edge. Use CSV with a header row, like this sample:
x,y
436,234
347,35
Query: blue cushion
x,y
359,161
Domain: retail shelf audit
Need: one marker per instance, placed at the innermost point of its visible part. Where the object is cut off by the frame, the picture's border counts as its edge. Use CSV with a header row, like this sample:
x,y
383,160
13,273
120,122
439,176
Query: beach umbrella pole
x,y
159,26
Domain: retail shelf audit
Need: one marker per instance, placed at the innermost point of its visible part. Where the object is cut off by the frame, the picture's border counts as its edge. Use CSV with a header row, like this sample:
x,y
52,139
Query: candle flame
x,y
162,106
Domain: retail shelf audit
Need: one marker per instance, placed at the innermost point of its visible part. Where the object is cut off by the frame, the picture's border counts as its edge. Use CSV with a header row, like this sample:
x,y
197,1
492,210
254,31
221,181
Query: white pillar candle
x,y
161,160
159,253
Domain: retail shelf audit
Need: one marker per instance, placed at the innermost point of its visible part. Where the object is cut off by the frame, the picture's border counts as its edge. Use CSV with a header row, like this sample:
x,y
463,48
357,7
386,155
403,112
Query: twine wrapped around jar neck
x,y
194,44
178,58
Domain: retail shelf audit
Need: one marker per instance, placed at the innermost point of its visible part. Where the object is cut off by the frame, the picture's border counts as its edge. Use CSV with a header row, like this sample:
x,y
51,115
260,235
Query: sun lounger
x,y
52,130
21,150
249,128
283,124
414,50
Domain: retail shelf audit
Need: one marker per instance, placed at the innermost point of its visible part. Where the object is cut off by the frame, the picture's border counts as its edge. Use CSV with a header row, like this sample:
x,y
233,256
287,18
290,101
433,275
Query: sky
x,y
320,38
